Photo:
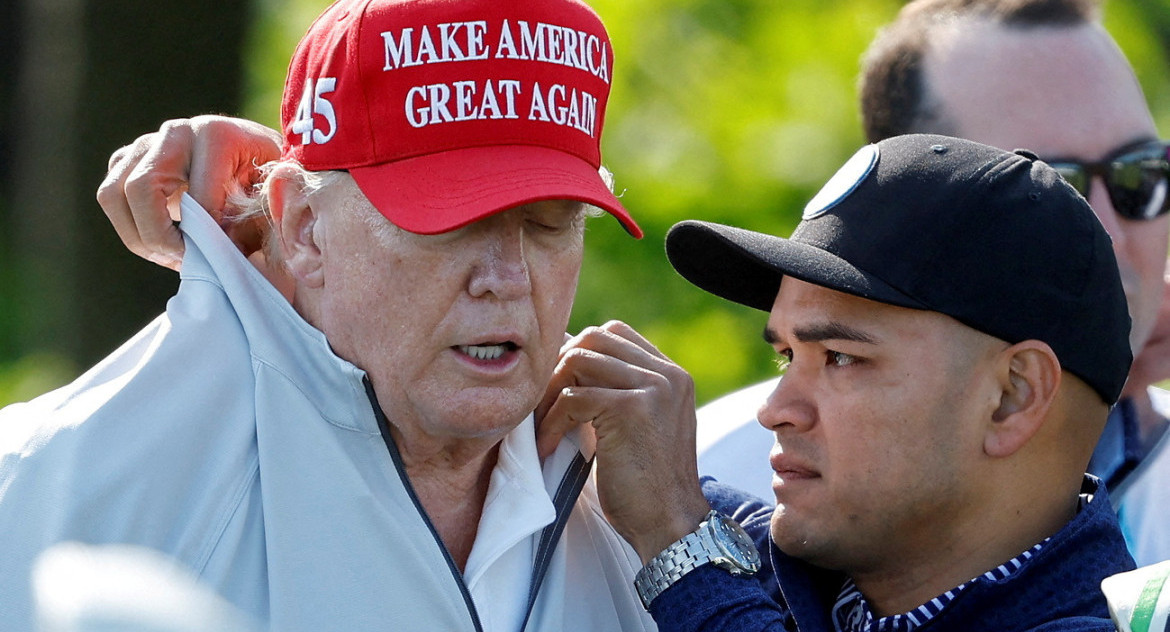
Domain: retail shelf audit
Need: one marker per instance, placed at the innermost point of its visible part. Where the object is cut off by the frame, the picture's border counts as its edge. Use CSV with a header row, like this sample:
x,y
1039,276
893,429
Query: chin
x,y
811,550
794,536
480,414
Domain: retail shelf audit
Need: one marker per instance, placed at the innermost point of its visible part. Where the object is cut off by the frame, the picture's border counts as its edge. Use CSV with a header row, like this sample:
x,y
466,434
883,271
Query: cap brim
x,y
746,267
440,192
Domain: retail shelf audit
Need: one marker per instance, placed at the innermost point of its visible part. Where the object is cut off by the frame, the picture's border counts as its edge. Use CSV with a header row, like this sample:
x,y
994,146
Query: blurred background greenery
x,y
727,110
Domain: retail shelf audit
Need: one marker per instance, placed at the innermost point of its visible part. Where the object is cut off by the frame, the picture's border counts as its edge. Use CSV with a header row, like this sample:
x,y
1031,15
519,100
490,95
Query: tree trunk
x,y
91,76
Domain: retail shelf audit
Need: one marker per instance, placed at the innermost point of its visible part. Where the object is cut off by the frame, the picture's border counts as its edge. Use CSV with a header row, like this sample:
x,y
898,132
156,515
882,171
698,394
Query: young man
x,y
952,331
1044,75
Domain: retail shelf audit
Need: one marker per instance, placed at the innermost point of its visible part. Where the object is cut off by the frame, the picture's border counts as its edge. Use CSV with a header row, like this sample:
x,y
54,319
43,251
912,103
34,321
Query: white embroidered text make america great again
x,y
499,99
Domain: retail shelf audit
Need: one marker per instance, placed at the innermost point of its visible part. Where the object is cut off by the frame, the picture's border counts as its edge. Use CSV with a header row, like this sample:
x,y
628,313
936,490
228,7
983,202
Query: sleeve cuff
x,y
709,598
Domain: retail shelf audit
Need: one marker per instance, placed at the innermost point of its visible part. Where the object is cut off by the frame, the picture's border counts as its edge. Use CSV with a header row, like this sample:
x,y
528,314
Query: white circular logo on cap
x,y
847,178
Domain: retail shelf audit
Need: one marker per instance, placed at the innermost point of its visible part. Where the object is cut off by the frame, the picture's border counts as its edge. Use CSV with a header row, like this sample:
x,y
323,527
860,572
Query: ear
x,y
297,227
1029,377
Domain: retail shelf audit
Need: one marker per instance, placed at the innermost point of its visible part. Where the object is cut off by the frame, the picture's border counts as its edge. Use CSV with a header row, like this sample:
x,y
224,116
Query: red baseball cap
x,y
446,112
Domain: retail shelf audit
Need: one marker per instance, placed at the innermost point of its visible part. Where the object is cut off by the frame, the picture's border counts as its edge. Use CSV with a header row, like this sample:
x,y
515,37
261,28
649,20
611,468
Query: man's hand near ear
x,y
207,156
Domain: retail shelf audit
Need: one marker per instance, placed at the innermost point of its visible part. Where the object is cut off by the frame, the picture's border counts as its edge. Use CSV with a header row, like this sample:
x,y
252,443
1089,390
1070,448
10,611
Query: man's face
x,y
877,424
459,331
1064,93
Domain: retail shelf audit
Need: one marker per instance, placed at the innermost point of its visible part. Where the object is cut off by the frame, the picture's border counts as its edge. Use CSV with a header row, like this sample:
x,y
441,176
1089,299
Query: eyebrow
x,y
820,332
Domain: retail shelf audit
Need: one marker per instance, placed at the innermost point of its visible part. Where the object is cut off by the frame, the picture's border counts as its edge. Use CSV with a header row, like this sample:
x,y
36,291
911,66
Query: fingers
x,y
226,159
226,156
610,355
142,176
613,354
579,405
121,154
115,203
604,370
159,176
605,409
210,155
615,335
559,420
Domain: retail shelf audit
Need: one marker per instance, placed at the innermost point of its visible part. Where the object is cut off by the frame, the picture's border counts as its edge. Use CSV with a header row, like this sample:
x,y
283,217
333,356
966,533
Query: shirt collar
x,y
851,612
517,505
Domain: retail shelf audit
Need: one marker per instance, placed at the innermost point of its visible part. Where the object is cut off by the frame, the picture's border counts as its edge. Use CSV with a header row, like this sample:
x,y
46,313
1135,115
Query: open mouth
x,y
489,351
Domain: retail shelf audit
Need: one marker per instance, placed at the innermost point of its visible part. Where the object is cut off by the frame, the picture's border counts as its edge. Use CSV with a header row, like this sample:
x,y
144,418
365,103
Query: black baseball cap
x,y
994,239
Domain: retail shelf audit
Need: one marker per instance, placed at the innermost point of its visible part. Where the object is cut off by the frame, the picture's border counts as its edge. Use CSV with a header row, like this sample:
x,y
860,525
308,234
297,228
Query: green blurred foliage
x,y
33,375
726,110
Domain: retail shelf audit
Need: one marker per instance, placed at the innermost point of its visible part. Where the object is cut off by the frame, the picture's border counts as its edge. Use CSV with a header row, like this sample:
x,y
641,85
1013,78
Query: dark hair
x,y
894,97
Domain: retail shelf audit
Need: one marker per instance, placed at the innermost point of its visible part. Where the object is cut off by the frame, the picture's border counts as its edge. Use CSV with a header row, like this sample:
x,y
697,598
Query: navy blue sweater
x,y
1059,589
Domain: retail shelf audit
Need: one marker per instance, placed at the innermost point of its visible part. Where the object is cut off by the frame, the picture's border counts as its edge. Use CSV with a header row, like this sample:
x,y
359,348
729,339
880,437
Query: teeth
x,y
484,352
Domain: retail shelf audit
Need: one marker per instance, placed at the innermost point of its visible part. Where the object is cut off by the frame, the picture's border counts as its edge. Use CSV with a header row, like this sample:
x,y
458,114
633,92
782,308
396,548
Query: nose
x,y
789,407
501,268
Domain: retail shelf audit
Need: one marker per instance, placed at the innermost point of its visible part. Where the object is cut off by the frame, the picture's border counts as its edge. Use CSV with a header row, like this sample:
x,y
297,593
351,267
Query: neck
x,y
450,476
960,556
452,492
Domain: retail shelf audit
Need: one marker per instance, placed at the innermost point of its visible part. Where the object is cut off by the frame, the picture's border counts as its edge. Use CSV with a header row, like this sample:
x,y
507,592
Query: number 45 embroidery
x,y
313,102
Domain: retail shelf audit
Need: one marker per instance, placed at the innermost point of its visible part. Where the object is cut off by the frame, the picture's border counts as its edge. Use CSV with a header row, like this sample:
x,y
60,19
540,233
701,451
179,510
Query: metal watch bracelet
x,y
694,550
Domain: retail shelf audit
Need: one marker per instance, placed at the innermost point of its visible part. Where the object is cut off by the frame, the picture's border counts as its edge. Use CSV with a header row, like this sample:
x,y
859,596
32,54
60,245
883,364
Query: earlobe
x,y
1029,379
296,224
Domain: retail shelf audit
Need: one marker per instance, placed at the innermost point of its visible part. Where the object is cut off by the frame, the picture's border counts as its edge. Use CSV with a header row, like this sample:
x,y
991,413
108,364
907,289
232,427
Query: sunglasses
x,y
1137,179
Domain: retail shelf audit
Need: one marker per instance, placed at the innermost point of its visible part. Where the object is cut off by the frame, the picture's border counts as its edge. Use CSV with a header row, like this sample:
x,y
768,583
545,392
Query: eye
x,y
545,226
783,360
556,220
836,358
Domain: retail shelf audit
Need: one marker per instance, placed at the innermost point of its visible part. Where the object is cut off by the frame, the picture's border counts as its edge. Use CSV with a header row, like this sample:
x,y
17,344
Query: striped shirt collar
x,y
851,612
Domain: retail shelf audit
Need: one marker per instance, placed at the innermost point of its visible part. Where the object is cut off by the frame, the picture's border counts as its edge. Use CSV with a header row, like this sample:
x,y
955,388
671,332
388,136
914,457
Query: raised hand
x,y
207,156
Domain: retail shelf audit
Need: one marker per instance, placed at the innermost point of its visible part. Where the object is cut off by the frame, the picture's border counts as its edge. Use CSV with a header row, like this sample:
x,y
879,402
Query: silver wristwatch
x,y
718,540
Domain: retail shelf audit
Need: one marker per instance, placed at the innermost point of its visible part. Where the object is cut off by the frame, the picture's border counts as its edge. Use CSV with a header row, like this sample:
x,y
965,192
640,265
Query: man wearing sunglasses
x,y
1045,75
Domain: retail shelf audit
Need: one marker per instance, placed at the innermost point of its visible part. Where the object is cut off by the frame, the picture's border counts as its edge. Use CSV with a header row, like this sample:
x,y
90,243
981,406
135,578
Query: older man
x,y
349,444
1043,75
943,387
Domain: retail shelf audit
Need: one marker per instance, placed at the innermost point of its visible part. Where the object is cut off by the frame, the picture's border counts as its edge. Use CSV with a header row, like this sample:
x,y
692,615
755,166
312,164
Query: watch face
x,y
735,544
